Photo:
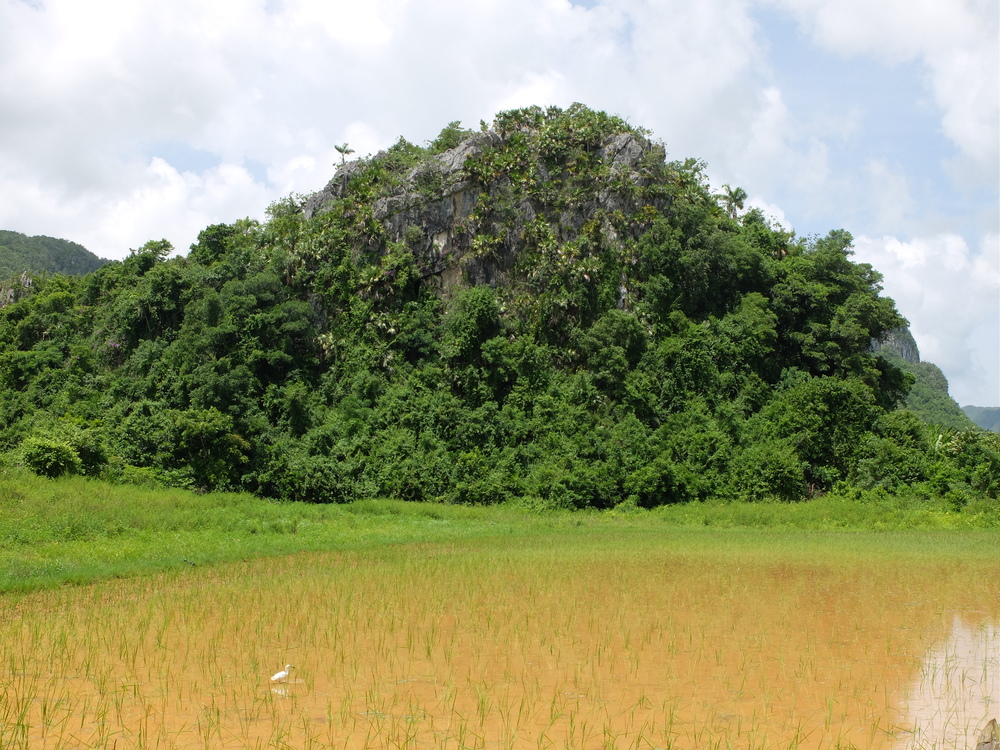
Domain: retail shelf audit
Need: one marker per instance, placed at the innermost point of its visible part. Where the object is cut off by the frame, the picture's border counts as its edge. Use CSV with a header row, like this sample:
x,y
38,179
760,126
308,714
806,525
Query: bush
x,y
50,458
770,469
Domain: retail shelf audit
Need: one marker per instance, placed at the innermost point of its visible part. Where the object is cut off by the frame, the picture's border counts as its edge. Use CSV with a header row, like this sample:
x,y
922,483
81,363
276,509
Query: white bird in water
x,y
282,675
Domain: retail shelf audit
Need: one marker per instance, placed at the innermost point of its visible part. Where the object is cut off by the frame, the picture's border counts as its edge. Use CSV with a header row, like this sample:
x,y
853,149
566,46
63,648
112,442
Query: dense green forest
x,y
39,255
545,308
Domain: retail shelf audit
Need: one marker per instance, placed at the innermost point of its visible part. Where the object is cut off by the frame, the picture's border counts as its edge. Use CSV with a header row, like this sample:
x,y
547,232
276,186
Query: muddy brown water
x,y
510,647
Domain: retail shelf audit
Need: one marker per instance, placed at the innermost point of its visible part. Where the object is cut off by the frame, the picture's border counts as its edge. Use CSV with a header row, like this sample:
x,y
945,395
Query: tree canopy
x,y
546,308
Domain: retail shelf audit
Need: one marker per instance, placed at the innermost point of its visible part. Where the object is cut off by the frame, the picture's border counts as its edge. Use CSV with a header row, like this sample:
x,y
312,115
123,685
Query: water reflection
x,y
958,689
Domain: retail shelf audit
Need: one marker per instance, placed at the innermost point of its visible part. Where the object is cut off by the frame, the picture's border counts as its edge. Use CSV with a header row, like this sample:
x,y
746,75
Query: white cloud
x,y
951,296
86,88
184,203
304,169
531,89
890,200
772,213
363,138
958,42
773,152
162,203
360,27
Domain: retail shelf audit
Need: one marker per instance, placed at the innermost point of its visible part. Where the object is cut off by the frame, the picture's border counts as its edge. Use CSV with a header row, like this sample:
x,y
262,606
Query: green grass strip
x,y
75,530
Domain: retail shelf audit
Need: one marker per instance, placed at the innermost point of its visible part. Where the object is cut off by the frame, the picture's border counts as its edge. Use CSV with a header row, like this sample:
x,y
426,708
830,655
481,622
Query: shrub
x,y
653,484
769,469
50,458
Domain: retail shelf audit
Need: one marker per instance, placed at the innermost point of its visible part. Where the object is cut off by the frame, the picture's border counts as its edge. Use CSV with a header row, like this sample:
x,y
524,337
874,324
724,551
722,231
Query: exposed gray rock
x,y
990,738
624,152
901,342
454,159
440,221
432,210
334,188
12,291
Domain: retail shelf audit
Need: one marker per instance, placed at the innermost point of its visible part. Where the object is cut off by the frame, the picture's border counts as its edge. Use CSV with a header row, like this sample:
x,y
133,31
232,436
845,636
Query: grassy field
x,y
75,530
826,624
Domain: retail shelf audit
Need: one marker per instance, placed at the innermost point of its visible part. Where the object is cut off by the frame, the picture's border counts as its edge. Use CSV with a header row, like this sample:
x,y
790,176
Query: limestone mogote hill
x,y
546,308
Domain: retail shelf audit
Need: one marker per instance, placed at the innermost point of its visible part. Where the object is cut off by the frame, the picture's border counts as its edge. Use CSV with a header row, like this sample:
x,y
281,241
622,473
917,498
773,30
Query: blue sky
x,y
889,118
124,121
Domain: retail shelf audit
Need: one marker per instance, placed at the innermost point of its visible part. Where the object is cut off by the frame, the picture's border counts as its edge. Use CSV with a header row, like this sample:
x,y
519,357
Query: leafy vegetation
x,y
546,310
74,529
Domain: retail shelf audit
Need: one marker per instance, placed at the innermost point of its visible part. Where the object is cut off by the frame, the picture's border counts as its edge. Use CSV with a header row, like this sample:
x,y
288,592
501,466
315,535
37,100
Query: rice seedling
x,y
626,639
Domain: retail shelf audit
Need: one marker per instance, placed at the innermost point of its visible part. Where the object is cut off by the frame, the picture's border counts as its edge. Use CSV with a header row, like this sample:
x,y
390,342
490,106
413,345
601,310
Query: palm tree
x,y
732,199
344,150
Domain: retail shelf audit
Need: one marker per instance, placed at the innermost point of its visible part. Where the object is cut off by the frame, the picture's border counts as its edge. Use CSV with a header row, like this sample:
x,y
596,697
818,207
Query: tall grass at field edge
x,y
75,530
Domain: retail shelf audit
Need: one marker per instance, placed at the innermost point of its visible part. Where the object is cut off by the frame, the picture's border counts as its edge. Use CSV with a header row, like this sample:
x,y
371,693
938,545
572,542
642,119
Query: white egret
x,y
282,675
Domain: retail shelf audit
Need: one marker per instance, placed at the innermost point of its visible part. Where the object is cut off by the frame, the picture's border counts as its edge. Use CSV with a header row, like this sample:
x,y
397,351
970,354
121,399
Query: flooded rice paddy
x,y
630,641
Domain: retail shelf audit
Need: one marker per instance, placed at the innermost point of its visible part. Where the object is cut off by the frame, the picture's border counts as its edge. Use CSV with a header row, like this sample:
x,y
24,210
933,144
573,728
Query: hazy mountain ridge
x,y
987,417
20,253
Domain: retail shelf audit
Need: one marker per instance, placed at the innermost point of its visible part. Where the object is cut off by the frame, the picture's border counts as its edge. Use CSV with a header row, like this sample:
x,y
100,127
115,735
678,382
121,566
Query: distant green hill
x,y
987,417
928,398
20,253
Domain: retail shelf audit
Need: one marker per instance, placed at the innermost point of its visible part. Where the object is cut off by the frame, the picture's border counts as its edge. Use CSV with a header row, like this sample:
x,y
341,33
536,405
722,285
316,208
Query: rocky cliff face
x,y
14,289
901,342
466,213
435,217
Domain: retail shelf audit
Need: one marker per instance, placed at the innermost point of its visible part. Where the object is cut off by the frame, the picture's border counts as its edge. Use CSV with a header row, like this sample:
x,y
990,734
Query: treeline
x,y
589,326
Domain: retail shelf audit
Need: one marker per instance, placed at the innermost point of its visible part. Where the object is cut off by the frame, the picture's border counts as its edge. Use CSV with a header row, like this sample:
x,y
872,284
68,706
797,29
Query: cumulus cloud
x,y
891,202
951,295
774,150
957,42
162,203
772,212
531,89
